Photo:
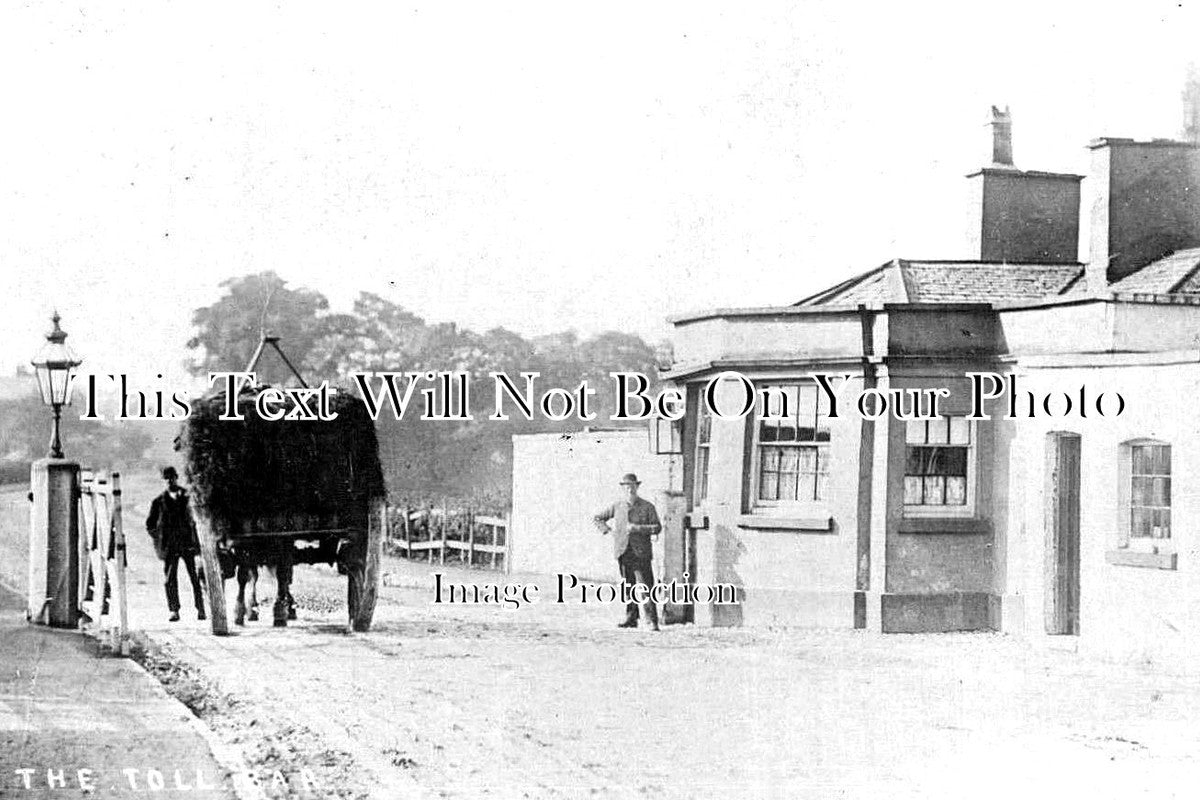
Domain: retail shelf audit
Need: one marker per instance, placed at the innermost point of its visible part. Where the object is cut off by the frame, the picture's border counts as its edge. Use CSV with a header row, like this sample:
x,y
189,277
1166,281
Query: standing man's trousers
x,y
171,573
635,569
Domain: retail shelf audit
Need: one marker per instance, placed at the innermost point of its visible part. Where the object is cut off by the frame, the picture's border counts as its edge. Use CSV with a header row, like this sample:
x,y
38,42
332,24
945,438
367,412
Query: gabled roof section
x,y
869,287
905,281
1178,273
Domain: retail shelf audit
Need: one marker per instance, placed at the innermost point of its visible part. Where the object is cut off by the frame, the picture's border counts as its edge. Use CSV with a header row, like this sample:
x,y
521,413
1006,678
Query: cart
x,y
280,493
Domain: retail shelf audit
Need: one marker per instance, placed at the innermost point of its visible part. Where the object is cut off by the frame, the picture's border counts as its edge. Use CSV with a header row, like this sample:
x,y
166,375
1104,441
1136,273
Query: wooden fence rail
x,y
438,533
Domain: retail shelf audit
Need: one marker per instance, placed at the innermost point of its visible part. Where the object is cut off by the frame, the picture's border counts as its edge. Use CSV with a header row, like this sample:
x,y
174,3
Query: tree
x,y
422,458
229,330
25,434
379,335
614,351
333,353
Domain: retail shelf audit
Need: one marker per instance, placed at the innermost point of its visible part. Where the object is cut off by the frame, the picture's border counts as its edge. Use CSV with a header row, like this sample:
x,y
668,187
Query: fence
x,y
441,534
102,587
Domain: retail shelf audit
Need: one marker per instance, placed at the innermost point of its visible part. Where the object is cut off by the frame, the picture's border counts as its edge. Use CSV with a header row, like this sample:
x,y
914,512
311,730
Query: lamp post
x,y
54,483
53,366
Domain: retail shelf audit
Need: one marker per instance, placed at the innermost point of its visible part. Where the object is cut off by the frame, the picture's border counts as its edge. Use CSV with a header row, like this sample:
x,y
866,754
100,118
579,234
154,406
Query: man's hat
x,y
630,479
169,472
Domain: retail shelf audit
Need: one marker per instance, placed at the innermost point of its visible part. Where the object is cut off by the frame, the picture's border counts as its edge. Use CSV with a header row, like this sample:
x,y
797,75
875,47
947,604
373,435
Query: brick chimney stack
x,y
1145,205
1145,197
1001,124
1021,215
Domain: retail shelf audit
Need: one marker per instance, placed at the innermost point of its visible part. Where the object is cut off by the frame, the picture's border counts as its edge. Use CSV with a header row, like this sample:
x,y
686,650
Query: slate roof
x,y
906,281
1178,273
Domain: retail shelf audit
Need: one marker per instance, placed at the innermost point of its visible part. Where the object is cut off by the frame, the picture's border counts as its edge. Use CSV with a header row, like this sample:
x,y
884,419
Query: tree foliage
x,y
421,458
25,425
229,330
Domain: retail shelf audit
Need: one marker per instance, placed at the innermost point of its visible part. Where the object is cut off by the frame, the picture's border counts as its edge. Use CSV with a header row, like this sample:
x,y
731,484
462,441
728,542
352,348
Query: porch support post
x,y
876,536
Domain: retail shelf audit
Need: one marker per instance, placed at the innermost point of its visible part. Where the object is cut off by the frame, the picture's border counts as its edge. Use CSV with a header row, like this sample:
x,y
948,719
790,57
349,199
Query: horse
x,y
244,562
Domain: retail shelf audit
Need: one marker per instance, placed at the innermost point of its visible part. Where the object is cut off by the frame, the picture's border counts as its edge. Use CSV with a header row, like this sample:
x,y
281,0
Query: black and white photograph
x,y
640,400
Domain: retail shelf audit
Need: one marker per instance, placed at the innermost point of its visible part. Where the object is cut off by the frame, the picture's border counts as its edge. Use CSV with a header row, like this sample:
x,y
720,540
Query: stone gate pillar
x,y
54,543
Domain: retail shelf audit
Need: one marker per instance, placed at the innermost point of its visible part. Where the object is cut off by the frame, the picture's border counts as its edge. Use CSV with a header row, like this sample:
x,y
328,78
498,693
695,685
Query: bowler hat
x,y
169,472
630,478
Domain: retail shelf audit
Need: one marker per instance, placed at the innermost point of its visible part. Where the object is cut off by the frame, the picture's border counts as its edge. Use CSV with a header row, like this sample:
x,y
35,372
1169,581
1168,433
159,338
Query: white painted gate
x,y
102,587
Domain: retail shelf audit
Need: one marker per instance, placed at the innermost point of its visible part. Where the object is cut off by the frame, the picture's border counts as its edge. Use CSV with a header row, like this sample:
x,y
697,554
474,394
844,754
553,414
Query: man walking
x,y
634,520
170,526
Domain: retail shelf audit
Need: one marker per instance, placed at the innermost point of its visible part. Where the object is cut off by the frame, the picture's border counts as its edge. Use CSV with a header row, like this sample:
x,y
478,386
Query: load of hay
x,y
261,476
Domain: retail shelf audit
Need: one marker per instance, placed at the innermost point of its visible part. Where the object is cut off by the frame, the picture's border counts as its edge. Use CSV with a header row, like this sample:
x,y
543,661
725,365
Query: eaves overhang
x,y
791,312
736,364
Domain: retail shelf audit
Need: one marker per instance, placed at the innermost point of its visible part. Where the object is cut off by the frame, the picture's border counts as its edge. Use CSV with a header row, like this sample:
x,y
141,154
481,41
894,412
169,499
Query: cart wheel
x,y
213,579
363,571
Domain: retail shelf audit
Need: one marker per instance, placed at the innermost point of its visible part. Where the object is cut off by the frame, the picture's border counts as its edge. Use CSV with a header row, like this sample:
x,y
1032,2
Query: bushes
x,y
14,471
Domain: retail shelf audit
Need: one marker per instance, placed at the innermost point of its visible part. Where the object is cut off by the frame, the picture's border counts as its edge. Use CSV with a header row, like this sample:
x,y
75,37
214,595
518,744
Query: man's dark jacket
x,y
170,525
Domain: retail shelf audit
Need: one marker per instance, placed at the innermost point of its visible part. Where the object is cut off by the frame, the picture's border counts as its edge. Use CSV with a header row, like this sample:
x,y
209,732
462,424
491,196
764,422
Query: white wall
x,y
786,576
560,481
1130,612
787,334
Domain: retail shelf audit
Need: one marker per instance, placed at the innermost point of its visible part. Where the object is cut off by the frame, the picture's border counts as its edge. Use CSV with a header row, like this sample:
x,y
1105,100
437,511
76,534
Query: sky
x,y
535,166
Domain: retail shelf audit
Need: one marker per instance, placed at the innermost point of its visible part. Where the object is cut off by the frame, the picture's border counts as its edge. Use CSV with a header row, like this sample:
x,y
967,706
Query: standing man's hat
x,y
169,472
630,479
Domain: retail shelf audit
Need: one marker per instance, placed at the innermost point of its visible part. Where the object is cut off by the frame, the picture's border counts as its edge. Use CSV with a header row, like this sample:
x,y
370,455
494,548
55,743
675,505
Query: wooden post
x,y
445,519
212,572
470,539
86,532
430,531
407,534
119,568
98,547
508,542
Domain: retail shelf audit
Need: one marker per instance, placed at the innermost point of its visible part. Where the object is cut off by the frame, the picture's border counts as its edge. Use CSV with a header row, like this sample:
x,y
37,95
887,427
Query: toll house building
x,y
1050,524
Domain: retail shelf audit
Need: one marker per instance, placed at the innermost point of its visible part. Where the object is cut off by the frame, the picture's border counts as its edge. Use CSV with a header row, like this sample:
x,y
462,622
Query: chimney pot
x,y
1002,154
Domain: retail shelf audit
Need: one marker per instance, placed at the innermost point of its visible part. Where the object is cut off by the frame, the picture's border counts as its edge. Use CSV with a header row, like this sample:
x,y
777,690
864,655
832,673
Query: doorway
x,y
1062,533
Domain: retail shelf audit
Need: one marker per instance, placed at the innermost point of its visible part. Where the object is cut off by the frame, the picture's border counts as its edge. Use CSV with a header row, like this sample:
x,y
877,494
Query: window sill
x,y
945,525
1130,558
816,523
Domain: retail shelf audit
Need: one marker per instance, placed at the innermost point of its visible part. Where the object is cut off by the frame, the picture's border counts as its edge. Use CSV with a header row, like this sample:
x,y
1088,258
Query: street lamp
x,y
53,365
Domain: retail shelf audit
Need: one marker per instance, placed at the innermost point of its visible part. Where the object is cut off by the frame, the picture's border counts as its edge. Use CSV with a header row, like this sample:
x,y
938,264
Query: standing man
x,y
634,521
170,526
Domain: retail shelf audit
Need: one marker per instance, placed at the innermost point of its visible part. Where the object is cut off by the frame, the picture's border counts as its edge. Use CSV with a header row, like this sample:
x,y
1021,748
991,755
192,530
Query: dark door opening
x,y
1062,533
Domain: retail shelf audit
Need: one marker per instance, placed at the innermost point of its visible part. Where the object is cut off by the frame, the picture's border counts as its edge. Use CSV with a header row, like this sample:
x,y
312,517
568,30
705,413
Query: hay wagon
x,y
283,492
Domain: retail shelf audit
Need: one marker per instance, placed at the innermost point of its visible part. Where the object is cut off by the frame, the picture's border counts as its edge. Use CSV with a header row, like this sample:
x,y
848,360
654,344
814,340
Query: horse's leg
x,y
243,576
291,602
283,582
285,592
254,594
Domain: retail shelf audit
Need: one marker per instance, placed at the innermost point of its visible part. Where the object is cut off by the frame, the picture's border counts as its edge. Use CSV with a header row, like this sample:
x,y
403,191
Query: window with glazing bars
x,y
1150,491
703,437
938,462
792,442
